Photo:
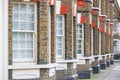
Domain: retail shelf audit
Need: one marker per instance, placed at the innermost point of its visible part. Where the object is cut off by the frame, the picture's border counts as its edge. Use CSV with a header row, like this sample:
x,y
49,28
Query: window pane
x,y
59,45
29,54
59,39
15,54
59,25
21,44
59,52
22,26
59,18
14,36
23,7
30,26
80,31
59,31
79,46
23,16
15,25
79,51
29,44
31,8
15,7
15,15
79,41
30,17
21,53
21,36
30,36
14,44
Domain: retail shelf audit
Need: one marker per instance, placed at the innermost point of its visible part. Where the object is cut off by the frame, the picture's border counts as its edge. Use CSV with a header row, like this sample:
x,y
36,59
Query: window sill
x,y
103,15
96,56
103,55
32,66
96,8
83,58
66,61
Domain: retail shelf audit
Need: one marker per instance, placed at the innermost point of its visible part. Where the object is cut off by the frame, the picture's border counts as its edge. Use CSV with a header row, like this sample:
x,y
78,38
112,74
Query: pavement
x,y
114,74
111,73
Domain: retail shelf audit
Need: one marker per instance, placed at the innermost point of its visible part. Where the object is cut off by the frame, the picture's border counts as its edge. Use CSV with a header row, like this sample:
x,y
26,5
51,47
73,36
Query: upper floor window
x,y
60,40
23,31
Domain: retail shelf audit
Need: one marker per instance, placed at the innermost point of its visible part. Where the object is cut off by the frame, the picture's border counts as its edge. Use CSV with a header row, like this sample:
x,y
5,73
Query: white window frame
x,y
34,58
79,56
62,56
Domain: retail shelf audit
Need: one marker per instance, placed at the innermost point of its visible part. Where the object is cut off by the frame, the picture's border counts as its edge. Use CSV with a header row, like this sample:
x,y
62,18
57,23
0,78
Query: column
x,y
44,52
102,30
4,40
95,27
68,64
84,64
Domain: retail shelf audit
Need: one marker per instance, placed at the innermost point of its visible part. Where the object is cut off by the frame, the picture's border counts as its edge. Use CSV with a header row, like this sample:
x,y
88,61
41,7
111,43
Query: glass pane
x,y
31,8
59,52
59,39
23,7
15,16
21,36
80,36
79,41
21,53
23,16
81,31
14,54
30,36
15,7
14,36
14,44
59,25
59,18
29,54
59,45
22,44
59,32
30,26
30,17
77,31
29,44
81,26
22,26
15,25
79,51
79,46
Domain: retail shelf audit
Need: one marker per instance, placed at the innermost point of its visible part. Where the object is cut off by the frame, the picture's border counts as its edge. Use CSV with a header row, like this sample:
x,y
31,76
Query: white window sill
x,y
103,55
66,61
103,15
96,8
96,56
108,54
32,66
83,58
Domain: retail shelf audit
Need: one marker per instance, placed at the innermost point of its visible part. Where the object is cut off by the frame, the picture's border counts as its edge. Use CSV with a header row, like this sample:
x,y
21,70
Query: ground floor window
x,y
23,31
60,36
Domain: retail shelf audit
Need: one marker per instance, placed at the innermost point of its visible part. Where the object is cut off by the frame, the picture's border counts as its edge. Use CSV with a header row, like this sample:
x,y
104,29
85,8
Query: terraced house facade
x,y
55,39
